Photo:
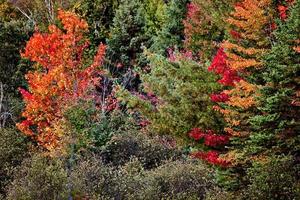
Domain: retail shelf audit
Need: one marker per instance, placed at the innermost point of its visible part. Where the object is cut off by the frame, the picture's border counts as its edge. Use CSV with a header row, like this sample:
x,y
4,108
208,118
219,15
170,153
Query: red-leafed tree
x,y
60,77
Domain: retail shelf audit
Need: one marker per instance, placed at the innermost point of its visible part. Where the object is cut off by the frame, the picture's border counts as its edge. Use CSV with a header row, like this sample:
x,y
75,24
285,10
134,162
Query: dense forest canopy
x,y
150,99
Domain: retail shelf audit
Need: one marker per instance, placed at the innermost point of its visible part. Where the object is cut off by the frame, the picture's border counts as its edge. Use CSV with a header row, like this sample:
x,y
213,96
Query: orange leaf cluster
x,y
59,78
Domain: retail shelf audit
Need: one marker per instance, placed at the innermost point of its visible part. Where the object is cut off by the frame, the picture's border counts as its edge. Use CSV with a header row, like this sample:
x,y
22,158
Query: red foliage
x,y
219,66
235,34
196,134
210,138
211,157
222,97
282,12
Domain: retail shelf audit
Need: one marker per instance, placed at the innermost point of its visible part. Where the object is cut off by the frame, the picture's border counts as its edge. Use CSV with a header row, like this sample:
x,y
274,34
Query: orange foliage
x,y
250,30
59,77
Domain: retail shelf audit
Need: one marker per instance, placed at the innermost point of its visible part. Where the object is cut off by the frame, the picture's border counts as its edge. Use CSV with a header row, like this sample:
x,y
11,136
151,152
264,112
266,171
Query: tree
x,y
171,34
125,44
99,15
40,12
276,126
60,76
205,26
154,16
176,96
12,39
249,39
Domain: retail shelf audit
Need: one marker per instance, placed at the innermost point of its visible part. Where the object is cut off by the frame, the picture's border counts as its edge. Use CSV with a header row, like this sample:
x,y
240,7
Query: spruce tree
x,y
172,32
99,15
277,127
176,96
125,51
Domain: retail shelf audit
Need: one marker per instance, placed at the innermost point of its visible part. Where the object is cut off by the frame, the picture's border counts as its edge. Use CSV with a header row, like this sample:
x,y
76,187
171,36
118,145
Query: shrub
x,y
275,179
91,178
181,180
13,149
39,178
149,152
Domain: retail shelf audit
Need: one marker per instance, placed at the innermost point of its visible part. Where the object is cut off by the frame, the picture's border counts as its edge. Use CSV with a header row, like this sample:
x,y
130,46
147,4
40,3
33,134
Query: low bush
x,y
149,151
274,179
39,178
13,149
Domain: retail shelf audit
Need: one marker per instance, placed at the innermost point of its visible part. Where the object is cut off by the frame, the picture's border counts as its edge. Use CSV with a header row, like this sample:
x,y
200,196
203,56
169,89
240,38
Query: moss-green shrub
x,y
39,178
13,149
91,178
149,151
275,179
181,180
173,180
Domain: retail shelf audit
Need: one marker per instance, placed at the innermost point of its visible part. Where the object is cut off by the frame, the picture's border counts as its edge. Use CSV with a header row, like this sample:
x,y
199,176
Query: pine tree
x,y
176,96
277,127
172,31
99,15
154,16
125,44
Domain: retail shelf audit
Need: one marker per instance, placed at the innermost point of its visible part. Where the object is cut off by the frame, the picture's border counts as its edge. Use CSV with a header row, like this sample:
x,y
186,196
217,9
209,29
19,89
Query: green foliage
x,y
150,152
182,89
92,128
154,16
173,180
12,39
127,36
171,34
275,179
276,126
205,26
91,178
99,15
39,178
13,149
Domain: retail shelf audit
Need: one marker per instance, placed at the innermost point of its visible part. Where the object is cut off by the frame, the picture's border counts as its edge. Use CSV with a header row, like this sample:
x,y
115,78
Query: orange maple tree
x,y
60,76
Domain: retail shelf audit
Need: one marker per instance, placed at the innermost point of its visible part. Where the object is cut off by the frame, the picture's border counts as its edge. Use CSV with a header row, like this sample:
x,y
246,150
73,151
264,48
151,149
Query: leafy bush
x,y
149,152
13,149
173,180
181,180
275,179
90,178
39,178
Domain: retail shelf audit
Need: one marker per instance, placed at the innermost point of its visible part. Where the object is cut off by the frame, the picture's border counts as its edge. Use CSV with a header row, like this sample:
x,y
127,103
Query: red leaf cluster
x,y
221,97
219,66
211,157
210,138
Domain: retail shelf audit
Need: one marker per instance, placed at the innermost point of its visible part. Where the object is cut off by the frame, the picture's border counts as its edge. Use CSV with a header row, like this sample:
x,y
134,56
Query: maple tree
x,y
59,77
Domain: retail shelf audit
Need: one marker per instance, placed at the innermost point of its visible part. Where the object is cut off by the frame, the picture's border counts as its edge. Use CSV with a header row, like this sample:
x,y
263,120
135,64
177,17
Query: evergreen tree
x,y
125,44
277,127
176,96
99,15
154,16
172,32
205,26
